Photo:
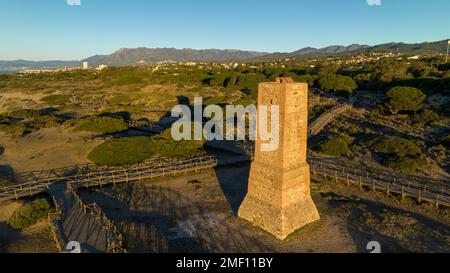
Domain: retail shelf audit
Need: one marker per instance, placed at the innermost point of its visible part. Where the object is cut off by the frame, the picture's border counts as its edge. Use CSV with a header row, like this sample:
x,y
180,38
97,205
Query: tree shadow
x,y
6,173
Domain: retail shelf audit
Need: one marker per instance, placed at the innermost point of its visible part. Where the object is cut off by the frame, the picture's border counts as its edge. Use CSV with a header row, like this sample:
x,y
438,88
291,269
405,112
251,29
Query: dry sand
x,y
46,149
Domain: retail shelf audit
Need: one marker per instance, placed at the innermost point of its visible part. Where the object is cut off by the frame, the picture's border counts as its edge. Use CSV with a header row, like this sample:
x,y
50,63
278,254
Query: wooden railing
x,y
54,219
114,239
439,198
389,181
155,168
321,122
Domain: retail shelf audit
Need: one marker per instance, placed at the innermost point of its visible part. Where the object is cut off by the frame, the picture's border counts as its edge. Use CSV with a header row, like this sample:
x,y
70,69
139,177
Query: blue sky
x,y
52,29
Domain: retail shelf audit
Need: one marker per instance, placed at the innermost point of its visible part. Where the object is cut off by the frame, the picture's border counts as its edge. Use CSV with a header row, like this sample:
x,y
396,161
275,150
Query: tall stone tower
x,y
279,197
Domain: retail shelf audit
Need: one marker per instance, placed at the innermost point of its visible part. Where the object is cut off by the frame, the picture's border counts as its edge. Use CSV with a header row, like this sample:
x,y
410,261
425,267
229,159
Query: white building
x,y
102,67
85,65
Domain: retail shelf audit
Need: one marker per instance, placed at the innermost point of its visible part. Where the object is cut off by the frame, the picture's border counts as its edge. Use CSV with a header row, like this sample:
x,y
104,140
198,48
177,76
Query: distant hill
x,y
133,56
439,46
426,47
130,56
310,51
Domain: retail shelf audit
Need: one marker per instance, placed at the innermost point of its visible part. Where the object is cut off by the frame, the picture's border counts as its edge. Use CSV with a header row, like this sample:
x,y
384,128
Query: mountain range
x,y
134,56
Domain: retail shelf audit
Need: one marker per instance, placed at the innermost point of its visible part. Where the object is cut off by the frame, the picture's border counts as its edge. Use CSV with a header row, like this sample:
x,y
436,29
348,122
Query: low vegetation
x,y
400,154
337,84
21,122
131,150
395,146
56,100
30,214
404,99
336,146
102,125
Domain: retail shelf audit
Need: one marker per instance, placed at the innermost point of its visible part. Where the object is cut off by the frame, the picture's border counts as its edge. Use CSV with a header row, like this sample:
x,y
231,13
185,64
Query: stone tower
x,y
279,198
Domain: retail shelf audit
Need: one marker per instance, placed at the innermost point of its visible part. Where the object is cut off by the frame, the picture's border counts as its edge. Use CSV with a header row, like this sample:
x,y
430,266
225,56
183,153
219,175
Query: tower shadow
x,y
233,181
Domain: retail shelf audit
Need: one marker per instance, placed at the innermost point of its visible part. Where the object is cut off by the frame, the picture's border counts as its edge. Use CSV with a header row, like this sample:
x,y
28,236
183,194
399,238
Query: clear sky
x,y
53,29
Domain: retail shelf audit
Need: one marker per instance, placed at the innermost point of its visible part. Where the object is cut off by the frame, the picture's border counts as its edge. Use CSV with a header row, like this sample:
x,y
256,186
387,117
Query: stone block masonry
x,y
279,198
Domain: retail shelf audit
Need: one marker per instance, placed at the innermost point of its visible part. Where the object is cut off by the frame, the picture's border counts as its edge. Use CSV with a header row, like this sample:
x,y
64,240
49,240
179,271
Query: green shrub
x,y
29,214
56,100
425,116
404,98
45,121
338,146
337,83
354,130
102,125
14,129
395,146
25,113
404,164
133,150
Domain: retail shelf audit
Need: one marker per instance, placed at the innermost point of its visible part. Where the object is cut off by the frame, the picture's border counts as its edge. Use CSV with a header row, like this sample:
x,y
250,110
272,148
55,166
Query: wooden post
x,y
335,176
348,181
360,182
389,189
437,201
420,196
403,192
373,185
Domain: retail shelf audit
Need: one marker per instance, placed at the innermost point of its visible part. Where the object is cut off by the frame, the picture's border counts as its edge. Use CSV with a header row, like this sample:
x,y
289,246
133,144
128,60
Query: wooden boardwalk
x,y
430,194
87,223
390,182
321,122
151,169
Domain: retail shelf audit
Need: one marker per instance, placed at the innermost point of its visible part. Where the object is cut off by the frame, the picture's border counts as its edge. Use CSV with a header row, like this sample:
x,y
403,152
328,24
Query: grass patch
x,y
132,150
102,125
56,100
29,214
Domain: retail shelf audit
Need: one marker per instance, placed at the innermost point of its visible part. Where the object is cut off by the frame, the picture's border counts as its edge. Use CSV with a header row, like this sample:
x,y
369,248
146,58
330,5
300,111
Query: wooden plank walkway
x,y
364,180
321,122
154,168
87,223
389,182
